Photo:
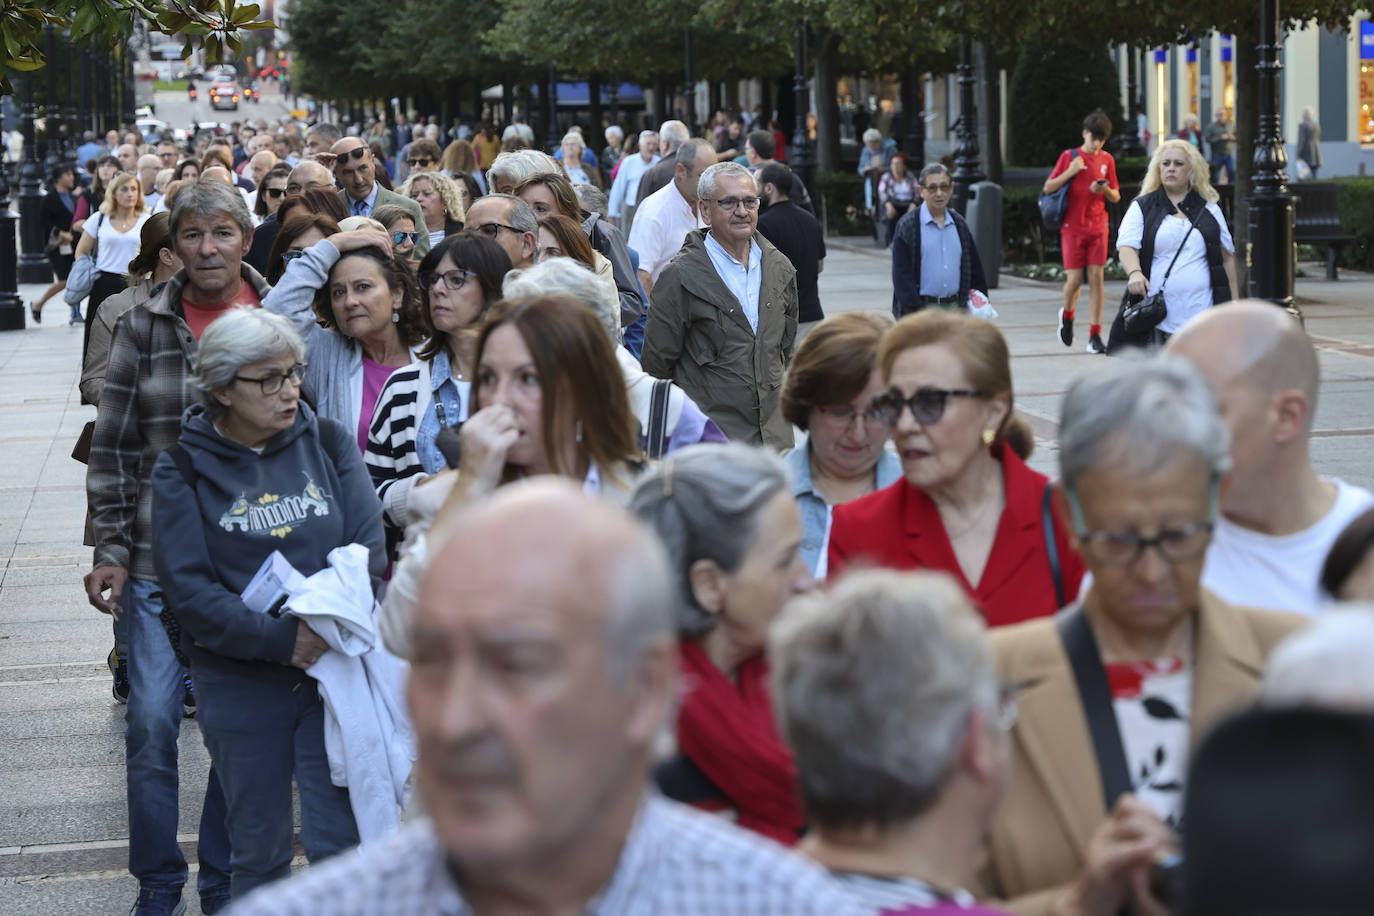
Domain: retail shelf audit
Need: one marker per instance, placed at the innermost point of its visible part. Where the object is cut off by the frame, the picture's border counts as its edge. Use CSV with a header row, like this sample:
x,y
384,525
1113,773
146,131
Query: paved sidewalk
x,y
63,839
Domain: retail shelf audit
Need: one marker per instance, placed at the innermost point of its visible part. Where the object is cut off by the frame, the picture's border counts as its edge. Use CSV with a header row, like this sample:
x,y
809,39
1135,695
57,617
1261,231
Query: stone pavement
x,y
63,839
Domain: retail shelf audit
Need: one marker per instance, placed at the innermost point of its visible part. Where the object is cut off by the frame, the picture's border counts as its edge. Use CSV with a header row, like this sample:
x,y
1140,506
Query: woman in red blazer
x,y
967,503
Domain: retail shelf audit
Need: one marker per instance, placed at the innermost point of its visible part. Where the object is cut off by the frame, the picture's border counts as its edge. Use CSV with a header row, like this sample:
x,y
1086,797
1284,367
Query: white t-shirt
x,y
661,225
1189,290
115,249
1280,573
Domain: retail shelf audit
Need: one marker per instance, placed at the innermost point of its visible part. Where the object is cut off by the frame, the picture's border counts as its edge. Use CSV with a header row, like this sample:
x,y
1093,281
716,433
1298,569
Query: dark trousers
x,y
106,285
901,206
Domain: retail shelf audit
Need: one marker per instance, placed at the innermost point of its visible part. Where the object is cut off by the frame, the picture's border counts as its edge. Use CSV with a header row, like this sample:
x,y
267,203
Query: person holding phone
x,y
1090,172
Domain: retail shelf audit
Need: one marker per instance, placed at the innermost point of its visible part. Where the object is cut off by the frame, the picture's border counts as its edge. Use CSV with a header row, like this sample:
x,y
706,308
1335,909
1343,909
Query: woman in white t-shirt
x,y
1177,207
113,233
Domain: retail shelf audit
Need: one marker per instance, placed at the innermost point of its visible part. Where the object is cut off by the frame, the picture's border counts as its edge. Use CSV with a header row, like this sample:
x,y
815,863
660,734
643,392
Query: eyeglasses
x,y
275,192
355,153
927,404
938,188
453,279
289,256
271,384
1123,548
844,416
492,230
419,163
399,237
729,204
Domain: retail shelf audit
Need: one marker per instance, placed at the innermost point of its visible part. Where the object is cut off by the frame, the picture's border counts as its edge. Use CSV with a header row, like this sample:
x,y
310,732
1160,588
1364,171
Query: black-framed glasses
x,y
275,192
927,404
492,230
1178,544
271,384
288,256
453,279
729,204
843,416
419,163
399,237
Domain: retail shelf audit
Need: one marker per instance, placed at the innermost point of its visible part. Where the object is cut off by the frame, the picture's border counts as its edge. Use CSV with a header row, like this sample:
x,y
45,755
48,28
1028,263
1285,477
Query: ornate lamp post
x,y
86,115
914,106
966,165
73,125
11,305
51,136
33,266
1271,259
799,156
551,112
689,78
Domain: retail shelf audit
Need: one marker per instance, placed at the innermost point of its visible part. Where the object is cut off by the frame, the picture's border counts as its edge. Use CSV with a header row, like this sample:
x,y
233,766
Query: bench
x,y
1317,220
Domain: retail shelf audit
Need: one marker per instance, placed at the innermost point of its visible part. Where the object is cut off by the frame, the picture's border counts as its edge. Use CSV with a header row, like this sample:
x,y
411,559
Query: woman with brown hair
x,y
106,167
461,159
301,230
828,394
560,237
967,504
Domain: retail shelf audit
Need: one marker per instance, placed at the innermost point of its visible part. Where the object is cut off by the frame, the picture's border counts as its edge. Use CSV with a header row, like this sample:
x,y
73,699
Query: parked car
x,y
224,94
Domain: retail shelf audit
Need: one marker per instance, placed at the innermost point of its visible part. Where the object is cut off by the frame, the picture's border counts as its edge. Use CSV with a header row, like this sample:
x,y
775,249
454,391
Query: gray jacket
x,y
697,335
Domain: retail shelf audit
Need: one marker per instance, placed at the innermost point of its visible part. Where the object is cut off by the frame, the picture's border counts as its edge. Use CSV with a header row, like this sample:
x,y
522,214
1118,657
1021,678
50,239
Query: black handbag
x,y
1140,316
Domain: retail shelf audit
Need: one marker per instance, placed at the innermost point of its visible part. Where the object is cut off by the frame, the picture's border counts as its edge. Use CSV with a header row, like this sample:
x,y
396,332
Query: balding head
x,y
217,173
354,167
148,167
261,164
127,156
536,703
309,174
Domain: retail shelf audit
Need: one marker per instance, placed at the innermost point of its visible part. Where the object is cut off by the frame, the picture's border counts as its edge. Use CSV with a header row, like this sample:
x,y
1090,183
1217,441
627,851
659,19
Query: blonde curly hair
x,y
1199,172
447,188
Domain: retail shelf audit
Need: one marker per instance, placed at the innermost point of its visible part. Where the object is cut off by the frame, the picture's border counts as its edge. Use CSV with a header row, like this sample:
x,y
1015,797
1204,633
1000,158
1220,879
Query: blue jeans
x,y
153,718
1229,161
261,731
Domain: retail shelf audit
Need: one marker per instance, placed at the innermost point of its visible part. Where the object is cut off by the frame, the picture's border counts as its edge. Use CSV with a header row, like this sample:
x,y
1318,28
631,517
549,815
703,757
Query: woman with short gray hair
x,y
733,533
255,471
1146,654
887,695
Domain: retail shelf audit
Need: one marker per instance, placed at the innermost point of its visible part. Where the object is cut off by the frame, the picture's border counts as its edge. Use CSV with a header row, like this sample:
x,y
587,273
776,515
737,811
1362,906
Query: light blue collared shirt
x,y
450,397
815,512
742,280
364,207
940,254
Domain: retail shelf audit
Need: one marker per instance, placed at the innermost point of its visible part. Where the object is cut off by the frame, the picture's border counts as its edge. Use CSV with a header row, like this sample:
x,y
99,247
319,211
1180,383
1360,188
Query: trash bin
x,y
984,215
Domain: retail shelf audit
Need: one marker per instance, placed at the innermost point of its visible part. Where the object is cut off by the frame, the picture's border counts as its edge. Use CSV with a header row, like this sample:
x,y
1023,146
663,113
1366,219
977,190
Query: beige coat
x,y
1054,801
697,335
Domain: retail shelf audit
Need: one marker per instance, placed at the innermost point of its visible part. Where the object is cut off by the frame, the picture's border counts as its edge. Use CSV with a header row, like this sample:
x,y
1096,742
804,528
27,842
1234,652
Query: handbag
x,y
1140,316
82,275
1052,206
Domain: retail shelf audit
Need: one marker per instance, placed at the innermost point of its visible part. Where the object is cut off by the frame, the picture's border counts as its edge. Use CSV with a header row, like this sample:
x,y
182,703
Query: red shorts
x,y
1081,249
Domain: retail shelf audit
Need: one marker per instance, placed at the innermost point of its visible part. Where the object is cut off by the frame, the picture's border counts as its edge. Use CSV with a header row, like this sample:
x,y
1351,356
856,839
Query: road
x,y
177,110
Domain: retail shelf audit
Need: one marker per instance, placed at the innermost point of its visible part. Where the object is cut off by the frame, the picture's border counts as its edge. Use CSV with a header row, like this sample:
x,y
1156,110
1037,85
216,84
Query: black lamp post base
x,y
34,269
11,313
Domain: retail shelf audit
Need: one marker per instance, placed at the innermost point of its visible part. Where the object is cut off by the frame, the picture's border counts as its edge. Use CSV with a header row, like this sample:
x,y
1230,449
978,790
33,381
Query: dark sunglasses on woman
x,y
927,405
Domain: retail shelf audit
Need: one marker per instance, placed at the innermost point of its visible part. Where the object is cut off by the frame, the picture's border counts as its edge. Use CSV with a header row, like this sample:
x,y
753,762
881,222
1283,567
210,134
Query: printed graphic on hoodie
x,y
274,513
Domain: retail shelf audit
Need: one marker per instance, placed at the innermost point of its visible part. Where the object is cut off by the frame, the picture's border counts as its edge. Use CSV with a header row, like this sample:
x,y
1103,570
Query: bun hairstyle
x,y
980,348
155,235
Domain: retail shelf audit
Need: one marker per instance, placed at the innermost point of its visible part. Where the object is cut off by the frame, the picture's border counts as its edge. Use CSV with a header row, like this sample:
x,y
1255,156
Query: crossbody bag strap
x,y
1191,226
1051,545
1096,696
658,418
182,459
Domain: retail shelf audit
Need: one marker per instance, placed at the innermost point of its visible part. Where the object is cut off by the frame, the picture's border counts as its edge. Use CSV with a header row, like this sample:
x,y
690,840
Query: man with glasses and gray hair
x,y
731,366
887,694
934,258
511,222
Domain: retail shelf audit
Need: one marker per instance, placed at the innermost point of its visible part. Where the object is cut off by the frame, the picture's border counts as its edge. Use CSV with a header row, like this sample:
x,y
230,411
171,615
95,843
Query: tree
x,y
218,25
1051,90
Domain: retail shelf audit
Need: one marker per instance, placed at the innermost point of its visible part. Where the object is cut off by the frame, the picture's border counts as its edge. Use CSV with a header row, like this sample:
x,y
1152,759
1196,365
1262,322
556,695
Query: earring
x,y
988,436
395,317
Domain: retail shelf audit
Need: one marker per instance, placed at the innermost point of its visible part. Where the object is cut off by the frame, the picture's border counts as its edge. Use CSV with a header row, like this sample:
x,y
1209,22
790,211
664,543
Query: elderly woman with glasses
x,y
255,471
1122,685
828,394
967,503
887,694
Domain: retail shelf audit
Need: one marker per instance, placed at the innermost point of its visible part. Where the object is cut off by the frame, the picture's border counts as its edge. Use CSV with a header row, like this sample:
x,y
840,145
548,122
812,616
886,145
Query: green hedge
x,y
840,195
1050,91
1357,218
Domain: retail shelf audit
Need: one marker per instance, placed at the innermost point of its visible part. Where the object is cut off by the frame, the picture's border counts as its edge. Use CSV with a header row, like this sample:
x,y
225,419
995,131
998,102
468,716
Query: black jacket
x,y
797,235
608,240
1155,207
906,263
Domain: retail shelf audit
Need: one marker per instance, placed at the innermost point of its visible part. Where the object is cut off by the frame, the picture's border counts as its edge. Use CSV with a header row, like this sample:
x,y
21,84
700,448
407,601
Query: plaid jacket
x,y
146,392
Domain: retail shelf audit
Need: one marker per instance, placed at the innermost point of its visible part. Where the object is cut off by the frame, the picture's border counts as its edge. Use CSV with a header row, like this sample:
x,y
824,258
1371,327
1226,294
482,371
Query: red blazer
x,y
899,527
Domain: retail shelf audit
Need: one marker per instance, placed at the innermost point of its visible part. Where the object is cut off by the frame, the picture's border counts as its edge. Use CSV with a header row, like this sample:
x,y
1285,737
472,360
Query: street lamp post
x,y
800,153
1271,255
966,167
691,83
914,105
87,116
51,137
128,69
73,125
551,111
1130,137
11,305
33,266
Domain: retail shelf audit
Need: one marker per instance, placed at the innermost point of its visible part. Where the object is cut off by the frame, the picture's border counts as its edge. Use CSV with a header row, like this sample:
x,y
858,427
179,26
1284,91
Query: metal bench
x,y
1317,220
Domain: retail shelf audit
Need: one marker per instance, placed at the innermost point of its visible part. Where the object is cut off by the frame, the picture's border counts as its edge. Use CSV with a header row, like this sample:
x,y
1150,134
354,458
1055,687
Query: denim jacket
x,y
815,512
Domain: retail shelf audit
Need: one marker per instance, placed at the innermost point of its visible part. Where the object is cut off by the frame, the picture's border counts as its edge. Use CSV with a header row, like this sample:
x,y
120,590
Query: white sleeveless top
x,y
114,249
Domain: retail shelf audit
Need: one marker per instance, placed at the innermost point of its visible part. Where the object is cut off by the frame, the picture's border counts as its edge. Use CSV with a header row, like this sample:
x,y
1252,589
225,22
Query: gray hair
x,y
568,277
933,168
672,134
872,134
238,338
522,164
706,184
703,502
575,137
874,684
1138,415
522,215
326,130
206,199
646,134
614,131
590,198
694,149
1325,664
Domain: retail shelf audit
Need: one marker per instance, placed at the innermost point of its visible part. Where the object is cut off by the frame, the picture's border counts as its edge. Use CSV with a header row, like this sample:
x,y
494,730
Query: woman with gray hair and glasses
x,y
1123,683
887,695
255,471
733,534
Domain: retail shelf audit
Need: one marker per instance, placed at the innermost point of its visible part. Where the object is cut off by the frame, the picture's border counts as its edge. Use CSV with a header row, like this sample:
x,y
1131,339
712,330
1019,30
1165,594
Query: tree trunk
x,y
660,99
826,94
594,111
1247,128
989,110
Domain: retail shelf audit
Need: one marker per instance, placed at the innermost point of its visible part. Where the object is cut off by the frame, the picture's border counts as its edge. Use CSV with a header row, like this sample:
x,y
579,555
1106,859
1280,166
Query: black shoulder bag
x,y
1140,316
658,419
1096,696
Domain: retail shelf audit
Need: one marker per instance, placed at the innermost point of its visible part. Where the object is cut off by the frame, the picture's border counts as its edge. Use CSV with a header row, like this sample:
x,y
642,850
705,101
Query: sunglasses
x,y
492,230
275,192
356,153
419,163
927,405
399,237
289,256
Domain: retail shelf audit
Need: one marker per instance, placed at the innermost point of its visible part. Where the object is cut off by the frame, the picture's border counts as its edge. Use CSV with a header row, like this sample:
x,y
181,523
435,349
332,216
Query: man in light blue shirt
x,y
621,206
934,257
940,248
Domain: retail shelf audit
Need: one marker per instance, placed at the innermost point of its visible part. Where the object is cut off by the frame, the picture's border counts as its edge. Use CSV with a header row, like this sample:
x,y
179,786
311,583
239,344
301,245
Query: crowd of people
x,y
883,666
